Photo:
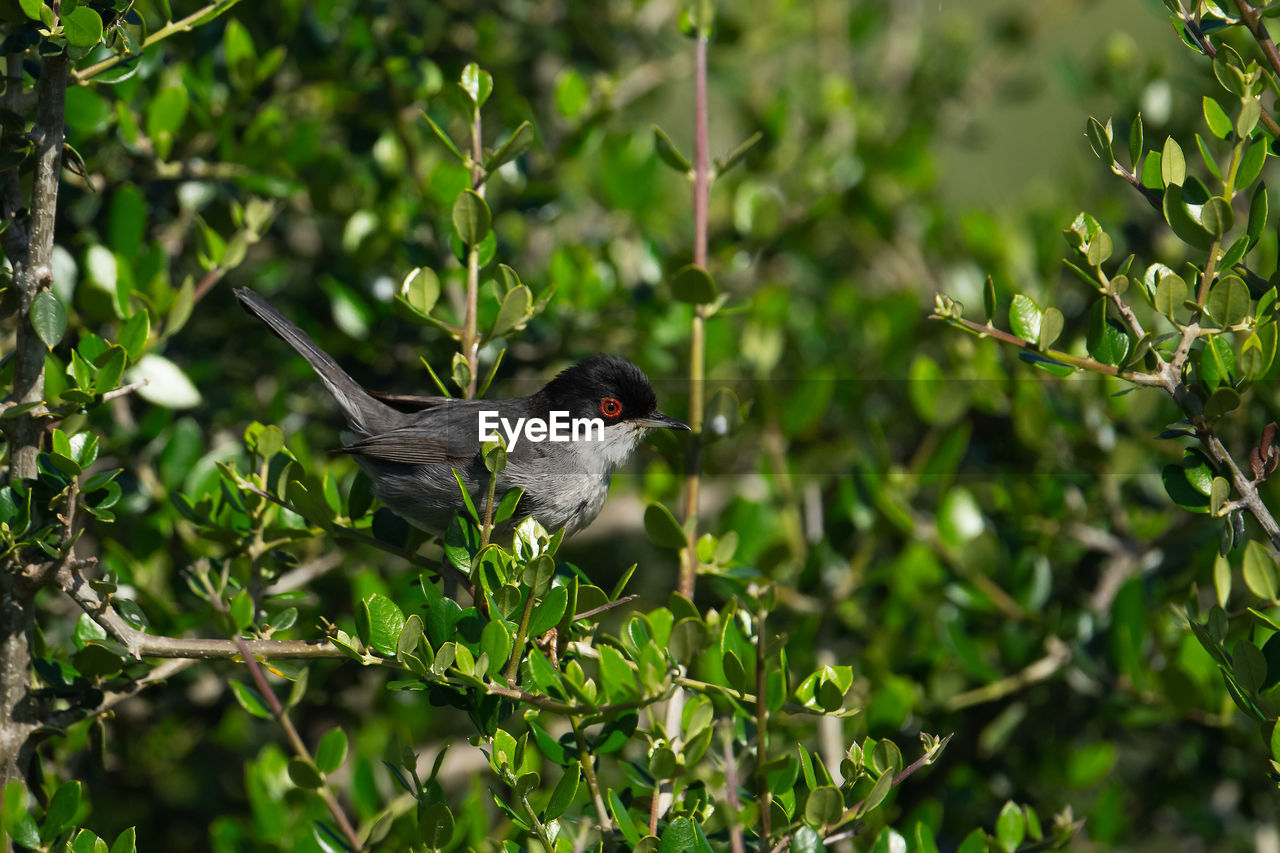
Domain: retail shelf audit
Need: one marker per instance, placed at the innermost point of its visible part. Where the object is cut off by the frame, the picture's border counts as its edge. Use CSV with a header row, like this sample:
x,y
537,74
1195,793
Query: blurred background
x,y
989,547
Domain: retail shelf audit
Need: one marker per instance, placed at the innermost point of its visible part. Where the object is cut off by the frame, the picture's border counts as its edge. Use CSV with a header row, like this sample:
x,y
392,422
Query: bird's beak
x,y
660,421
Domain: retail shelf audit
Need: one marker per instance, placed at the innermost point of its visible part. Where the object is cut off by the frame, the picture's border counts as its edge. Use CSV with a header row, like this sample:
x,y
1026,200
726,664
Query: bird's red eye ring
x,y
610,407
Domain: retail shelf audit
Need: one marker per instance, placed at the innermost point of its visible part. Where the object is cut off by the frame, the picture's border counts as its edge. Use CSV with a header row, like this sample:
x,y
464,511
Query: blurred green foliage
x,y
958,543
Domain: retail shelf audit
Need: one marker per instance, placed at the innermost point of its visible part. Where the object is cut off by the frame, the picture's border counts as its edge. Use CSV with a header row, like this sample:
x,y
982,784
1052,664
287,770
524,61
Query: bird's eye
x,y
610,407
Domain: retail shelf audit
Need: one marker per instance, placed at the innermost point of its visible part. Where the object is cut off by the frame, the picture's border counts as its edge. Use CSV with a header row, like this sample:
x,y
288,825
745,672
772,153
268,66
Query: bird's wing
x,y
409,402
439,436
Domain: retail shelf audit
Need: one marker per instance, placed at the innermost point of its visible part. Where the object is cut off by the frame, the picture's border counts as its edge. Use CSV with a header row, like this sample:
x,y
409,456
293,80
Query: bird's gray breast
x,y
564,484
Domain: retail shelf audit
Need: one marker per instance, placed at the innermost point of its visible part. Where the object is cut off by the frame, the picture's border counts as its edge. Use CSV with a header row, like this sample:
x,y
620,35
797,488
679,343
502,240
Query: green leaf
x,y
496,643
514,313
251,700
1252,359
1171,292
1135,141
669,153
538,574
1106,340
548,612
48,318
959,517
694,285
1271,651
624,820
471,218
126,841
332,751
1049,365
166,111
464,494
477,83
1100,140
63,806
1024,318
1219,491
1051,323
989,299
242,610
87,842
571,94
1222,579
518,143
304,774
663,528
618,679
1251,163
1260,571
420,290
32,10
135,333
1206,155
1011,826
1250,112
386,621
879,791
1216,216
562,796
1258,210
507,506
1217,362
1228,301
1181,221
82,26
1180,489
1216,118
825,804
166,384
435,825
682,835
444,138
974,842
736,155
1248,666
1173,165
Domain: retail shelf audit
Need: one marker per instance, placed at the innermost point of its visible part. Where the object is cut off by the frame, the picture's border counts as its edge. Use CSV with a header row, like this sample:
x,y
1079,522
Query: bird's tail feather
x,y
365,414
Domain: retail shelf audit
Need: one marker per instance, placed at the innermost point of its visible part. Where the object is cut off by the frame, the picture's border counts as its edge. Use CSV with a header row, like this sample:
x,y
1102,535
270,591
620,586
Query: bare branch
x,y
140,644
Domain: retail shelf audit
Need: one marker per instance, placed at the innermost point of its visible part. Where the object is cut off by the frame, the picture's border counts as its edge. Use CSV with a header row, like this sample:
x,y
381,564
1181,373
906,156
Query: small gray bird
x,y
601,407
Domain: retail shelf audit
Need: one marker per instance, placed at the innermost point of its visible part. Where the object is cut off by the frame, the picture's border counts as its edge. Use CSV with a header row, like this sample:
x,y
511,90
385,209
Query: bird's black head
x,y
610,388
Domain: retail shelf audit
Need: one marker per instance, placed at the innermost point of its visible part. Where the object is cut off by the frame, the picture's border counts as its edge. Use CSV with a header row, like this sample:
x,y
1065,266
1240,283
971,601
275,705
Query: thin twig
x,y
1253,21
181,26
70,580
1058,655
300,749
736,843
763,793
470,336
697,336
589,773
1149,380
595,611
125,389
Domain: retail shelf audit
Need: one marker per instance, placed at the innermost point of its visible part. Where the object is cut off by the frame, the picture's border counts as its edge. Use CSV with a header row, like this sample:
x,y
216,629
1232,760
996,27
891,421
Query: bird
x,y
410,457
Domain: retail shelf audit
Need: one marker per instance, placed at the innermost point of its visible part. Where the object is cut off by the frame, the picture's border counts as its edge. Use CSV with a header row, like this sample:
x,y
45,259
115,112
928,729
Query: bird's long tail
x,y
365,414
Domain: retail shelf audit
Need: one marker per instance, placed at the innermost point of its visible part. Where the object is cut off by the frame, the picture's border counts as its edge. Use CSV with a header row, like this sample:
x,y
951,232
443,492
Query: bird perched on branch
x,y
604,406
